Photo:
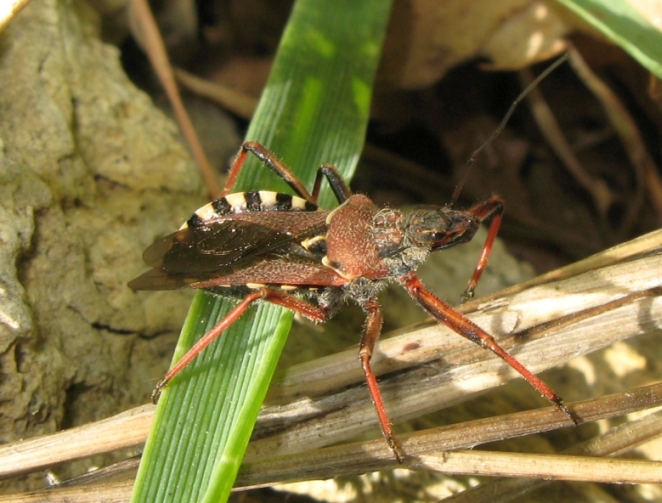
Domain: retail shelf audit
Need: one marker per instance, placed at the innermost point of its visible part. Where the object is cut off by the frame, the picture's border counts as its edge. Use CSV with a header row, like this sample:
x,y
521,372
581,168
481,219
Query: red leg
x,y
371,331
273,163
329,171
274,296
465,327
492,207
338,185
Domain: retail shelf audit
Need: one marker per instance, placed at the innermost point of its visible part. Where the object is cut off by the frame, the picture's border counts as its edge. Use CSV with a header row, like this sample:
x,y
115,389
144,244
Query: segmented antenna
x,y
502,125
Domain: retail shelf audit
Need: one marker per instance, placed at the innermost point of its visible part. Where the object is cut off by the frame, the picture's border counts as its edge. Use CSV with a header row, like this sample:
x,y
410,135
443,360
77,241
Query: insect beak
x,y
457,229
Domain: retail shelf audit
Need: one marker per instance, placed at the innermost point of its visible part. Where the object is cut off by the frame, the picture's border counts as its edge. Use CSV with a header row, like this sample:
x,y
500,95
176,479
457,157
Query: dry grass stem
x,y
127,429
615,442
551,130
547,466
114,492
645,169
9,9
361,457
234,101
145,30
357,458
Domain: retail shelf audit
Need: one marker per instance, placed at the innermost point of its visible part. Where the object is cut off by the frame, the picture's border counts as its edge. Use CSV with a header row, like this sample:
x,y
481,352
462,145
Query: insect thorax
x,y
391,233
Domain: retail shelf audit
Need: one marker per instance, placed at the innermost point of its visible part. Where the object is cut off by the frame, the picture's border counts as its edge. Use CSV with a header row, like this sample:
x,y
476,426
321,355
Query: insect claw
x,y
393,444
156,393
573,417
467,295
396,450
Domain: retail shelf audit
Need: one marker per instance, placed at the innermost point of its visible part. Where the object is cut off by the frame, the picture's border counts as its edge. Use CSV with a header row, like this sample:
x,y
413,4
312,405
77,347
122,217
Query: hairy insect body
x,y
283,249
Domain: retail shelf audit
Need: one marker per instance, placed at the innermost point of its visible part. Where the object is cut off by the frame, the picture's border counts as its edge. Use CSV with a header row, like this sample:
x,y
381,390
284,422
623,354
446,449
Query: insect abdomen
x,y
248,202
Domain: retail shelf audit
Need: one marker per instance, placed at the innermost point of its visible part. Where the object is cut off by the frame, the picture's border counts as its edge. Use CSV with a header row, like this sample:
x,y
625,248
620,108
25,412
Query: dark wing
x,y
213,250
215,247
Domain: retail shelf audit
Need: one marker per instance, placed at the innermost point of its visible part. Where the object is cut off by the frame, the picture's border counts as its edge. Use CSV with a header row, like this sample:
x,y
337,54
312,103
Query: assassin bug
x,y
284,249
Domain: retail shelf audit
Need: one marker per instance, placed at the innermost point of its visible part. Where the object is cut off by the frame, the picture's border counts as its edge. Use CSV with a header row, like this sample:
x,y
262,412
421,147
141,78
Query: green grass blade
x,y
314,110
625,25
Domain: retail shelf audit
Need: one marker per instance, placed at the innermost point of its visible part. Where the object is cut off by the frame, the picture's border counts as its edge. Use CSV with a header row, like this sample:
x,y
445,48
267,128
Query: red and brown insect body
x,y
285,250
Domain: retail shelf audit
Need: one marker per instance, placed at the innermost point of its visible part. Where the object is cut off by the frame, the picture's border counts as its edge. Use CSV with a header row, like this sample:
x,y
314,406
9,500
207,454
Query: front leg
x,y
462,325
492,207
328,171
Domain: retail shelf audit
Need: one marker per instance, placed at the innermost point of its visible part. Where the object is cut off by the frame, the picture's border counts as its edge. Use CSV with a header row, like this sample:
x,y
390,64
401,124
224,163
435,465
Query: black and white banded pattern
x,y
247,202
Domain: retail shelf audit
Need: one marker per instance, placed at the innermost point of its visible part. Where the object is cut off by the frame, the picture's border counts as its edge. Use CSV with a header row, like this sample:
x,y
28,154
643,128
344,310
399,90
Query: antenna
x,y
504,121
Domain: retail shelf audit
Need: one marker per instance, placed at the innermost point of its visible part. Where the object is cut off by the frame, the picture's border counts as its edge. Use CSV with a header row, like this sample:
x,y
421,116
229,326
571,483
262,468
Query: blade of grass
x,y
314,110
624,25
